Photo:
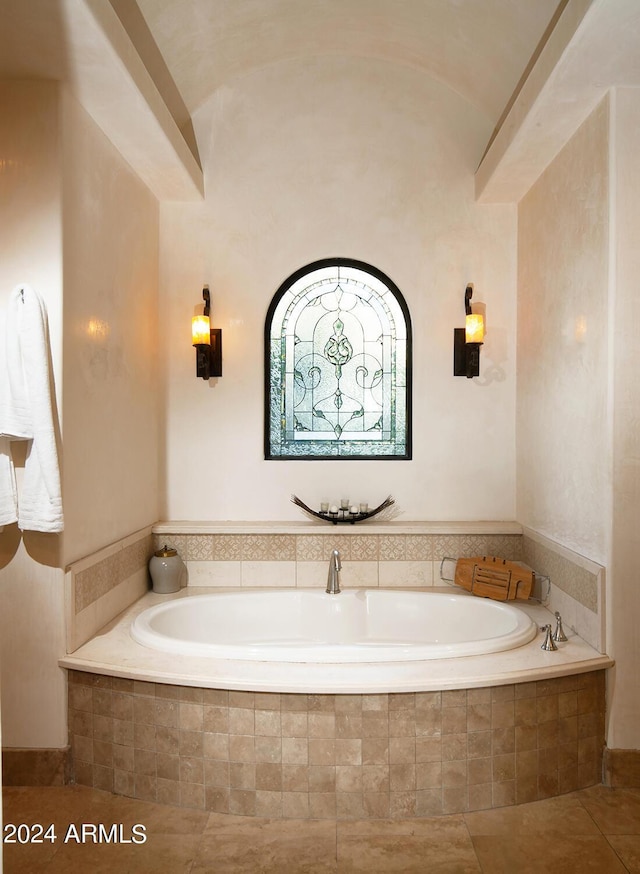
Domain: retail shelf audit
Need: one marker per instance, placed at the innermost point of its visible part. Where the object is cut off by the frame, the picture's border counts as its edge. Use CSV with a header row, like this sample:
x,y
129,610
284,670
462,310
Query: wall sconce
x,y
468,340
207,341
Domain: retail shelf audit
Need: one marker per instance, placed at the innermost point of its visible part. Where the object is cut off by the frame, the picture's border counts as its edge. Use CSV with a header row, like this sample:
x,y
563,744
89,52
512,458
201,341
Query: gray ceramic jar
x,y
166,569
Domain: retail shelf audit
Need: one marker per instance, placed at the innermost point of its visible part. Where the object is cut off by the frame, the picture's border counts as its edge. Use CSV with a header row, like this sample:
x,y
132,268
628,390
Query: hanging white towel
x,y
28,411
8,495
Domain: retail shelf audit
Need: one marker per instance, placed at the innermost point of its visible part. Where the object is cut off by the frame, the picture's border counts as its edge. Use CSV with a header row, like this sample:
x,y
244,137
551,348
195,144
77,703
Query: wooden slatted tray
x,y
493,577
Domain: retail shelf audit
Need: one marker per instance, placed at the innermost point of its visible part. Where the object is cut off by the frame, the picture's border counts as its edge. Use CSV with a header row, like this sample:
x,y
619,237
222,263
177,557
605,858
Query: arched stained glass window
x,y
338,365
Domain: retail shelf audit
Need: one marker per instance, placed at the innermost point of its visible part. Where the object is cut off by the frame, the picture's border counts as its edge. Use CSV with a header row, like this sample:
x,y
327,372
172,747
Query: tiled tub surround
x,y
468,733
103,584
156,729
387,554
337,756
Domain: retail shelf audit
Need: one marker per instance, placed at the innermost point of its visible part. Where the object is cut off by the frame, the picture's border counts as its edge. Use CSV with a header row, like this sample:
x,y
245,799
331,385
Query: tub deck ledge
x,y
113,652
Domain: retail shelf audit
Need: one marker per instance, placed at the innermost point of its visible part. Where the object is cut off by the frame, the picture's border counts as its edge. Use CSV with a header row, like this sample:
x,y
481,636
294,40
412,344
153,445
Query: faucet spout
x,y
333,579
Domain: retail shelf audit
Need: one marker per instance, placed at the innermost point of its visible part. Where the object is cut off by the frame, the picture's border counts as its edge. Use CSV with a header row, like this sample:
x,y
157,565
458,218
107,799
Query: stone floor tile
x,y
59,805
527,854
615,811
564,815
596,829
255,828
433,827
161,854
34,858
628,849
406,854
271,848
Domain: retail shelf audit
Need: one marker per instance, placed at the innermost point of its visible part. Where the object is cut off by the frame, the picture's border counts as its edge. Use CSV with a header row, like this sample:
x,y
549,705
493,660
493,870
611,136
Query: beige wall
x,y
307,159
624,594
563,478
1,810
72,207
31,581
111,396
578,398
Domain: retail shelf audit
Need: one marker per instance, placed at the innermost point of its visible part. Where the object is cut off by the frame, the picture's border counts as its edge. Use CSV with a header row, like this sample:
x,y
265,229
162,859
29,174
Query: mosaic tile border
x,y
337,756
353,547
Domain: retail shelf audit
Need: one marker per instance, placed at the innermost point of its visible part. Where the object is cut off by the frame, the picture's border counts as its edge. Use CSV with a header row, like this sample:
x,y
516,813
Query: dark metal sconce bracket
x,y
466,356
468,292
209,358
215,352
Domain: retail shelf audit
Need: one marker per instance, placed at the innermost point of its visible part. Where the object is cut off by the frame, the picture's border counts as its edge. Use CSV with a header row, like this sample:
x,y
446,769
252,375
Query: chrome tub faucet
x,y
333,579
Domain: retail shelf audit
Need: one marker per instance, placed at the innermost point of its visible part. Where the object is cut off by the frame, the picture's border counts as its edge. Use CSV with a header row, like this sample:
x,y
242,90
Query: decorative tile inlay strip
x,y
353,547
577,582
269,547
310,547
337,756
392,547
226,547
97,580
199,547
467,545
418,547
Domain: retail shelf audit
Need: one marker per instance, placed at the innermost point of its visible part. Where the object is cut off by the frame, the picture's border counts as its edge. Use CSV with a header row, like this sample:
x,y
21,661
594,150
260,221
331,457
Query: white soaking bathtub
x,y
355,626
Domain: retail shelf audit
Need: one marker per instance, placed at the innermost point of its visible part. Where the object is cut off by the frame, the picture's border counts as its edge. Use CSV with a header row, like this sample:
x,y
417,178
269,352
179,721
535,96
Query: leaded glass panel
x,y
338,365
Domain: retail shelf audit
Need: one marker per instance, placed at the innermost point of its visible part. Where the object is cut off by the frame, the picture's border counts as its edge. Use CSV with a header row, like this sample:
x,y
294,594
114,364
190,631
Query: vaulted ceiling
x,y
142,68
479,48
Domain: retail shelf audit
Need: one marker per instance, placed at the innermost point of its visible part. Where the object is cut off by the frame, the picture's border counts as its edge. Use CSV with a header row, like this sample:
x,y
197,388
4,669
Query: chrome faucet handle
x,y
549,643
559,635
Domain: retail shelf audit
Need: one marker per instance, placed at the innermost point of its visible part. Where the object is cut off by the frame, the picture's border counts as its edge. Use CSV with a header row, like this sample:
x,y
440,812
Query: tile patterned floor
x,y
596,829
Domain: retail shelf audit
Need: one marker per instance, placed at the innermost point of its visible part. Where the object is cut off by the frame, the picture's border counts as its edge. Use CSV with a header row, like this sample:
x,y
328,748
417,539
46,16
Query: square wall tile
x,y
214,573
271,574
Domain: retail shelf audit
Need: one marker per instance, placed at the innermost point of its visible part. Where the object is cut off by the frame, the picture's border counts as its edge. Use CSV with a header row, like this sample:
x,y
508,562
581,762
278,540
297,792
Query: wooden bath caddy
x,y
492,577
